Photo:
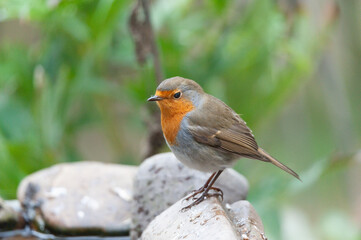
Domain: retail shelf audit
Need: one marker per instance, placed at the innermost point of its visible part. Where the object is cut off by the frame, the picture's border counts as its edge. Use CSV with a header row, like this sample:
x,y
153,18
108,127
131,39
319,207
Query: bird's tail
x,y
269,158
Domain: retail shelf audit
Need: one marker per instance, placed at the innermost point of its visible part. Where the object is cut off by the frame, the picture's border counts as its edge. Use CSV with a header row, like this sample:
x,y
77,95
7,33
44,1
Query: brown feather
x,y
227,131
278,163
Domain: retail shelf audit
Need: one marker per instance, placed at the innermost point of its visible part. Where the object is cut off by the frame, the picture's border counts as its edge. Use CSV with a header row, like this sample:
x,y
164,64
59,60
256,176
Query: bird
x,y
204,133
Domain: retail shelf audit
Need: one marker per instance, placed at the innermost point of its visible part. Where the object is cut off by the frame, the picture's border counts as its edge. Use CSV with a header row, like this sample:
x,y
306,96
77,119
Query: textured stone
x,y
247,221
10,215
207,220
82,197
162,180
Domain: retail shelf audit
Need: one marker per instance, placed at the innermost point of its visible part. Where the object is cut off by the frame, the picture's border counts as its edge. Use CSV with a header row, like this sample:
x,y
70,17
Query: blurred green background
x,y
71,89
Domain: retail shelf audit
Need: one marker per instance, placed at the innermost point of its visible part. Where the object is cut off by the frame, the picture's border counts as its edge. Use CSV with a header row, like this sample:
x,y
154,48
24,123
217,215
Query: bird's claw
x,y
205,195
219,192
194,193
196,202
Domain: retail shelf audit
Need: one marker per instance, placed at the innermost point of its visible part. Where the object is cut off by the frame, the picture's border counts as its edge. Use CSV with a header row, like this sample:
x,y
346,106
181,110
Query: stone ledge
x,y
162,180
207,220
81,197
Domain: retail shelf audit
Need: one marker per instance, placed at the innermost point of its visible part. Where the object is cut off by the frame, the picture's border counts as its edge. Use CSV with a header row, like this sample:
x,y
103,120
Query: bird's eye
x,y
177,95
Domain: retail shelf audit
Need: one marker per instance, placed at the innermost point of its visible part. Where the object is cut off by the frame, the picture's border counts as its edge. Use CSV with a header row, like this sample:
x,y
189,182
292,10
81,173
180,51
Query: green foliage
x,y
51,89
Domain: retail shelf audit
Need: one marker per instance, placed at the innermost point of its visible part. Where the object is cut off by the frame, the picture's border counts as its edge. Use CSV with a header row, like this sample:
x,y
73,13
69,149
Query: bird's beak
x,y
154,98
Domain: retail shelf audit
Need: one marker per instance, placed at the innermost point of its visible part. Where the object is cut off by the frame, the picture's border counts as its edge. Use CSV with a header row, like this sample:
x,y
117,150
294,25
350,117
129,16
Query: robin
x,y
204,133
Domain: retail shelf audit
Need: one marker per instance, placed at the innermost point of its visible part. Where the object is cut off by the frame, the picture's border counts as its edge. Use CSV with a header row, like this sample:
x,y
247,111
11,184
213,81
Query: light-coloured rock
x,y
10,215
247,221
207,220
83,197
162,180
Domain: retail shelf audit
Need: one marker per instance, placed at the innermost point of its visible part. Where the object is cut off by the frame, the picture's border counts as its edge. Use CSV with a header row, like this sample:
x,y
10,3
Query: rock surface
x,y
207,220
82,197
10,215
162,180
246,221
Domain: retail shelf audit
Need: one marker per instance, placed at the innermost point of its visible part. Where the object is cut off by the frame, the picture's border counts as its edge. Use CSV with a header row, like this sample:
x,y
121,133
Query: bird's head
x,y
177,95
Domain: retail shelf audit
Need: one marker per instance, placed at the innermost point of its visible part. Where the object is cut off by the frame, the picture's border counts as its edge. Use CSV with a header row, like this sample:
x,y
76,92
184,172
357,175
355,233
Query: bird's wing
x,y
230,140
219,126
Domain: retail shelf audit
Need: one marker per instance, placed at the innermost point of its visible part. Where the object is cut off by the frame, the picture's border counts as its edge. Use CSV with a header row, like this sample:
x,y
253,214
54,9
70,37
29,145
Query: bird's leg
x,y
205,194
201,189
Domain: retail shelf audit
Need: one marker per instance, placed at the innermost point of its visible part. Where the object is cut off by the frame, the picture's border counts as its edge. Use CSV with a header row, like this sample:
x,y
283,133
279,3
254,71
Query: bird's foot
x,y
205,194
218,192
194,193
196,202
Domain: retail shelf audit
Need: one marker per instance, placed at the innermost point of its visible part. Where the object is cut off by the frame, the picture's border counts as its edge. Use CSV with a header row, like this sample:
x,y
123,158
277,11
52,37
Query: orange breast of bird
x,y
172,114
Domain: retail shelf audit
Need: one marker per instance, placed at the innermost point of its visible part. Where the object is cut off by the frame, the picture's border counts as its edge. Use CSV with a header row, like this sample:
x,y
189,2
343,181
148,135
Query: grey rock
x,y
162,180
207,220
82,197
10,215
247,221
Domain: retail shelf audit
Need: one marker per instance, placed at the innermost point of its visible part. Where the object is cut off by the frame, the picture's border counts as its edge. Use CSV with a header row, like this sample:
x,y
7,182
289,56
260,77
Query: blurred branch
x,y
144,39
145,44
154,49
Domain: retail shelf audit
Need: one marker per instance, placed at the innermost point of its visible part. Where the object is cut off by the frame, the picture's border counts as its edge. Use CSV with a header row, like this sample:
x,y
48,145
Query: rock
x,y
162,180
207,220
247,221
81,197
10,215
